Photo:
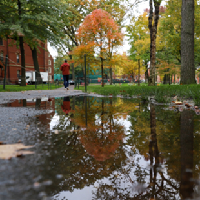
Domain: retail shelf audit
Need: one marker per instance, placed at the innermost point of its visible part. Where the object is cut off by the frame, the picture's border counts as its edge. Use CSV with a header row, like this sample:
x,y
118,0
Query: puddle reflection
x,y
113,148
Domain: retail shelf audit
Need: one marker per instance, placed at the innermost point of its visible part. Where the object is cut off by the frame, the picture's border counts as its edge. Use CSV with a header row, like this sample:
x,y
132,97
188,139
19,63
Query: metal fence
x,y
50,84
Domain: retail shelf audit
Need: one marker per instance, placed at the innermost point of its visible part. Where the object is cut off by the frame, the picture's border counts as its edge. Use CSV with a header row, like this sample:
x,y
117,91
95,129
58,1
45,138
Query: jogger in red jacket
x,y
65,67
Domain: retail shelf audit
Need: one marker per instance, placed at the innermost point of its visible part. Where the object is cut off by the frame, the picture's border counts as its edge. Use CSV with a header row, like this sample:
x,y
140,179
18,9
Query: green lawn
x,y
18,88
162,93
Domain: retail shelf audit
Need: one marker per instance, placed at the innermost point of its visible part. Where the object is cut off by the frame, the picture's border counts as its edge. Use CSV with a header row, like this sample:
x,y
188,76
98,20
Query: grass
x,y
161,93
18,88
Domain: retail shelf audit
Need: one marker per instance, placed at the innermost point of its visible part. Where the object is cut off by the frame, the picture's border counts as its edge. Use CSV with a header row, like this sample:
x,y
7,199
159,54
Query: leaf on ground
x,y
8,151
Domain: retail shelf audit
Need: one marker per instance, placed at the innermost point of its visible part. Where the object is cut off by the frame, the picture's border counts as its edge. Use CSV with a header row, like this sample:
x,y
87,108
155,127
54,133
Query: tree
x,y
169,34
80,9
139,38
153,34
99,34
32,23
187,42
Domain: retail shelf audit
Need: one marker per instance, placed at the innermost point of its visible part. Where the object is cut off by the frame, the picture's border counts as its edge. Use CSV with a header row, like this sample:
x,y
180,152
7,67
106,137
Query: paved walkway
x,y
60,92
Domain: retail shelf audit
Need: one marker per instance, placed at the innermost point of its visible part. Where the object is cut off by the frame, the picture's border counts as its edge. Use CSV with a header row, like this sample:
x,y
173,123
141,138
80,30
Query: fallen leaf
x,y
178,102
14,150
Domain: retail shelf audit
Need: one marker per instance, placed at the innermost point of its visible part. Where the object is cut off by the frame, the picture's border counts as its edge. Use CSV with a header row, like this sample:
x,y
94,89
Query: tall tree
x,y
153,23
81,8
99,33
187,42
139,39
31,23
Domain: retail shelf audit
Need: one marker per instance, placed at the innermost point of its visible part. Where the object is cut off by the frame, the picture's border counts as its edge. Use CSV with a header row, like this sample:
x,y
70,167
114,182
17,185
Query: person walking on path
x,y
65,67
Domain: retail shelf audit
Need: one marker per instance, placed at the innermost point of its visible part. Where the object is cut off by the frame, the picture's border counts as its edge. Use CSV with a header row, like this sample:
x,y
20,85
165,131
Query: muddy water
x,y
100,148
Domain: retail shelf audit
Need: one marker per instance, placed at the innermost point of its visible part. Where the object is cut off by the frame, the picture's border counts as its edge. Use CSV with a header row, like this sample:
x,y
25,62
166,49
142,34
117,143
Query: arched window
x,y
49,69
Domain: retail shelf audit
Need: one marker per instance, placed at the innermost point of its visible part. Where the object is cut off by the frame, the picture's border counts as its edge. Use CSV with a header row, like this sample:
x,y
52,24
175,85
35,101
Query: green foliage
x,y
58,62
139,38
34,20
168,42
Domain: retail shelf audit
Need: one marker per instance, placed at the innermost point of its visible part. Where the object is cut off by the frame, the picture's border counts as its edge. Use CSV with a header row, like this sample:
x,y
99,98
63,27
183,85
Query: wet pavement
x,y
60,92
70,146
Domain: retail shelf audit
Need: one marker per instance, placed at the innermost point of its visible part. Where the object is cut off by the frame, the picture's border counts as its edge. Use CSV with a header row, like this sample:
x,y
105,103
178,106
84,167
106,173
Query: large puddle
x,y
102,148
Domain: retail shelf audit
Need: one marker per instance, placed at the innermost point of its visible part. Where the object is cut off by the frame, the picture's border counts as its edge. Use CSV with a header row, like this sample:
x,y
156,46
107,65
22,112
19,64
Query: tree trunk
x,y
102,83
138,72
166,79
21,44
146,75
187,42
36,65
133,77
153,33
110,75
73,73
23,67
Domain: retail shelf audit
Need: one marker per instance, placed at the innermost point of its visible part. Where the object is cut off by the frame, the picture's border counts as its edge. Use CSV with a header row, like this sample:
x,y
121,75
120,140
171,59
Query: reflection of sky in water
x,y
85,193
55,121
123,181
127,179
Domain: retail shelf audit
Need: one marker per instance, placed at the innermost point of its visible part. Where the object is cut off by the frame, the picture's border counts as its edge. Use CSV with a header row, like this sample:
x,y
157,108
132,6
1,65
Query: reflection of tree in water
x,y
159,185
102,135
69,158
127,178
101,145
65,122
70,154
187,148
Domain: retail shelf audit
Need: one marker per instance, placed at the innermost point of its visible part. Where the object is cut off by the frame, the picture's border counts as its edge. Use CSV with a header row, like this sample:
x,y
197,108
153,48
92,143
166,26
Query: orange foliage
x,y
98,34
101,148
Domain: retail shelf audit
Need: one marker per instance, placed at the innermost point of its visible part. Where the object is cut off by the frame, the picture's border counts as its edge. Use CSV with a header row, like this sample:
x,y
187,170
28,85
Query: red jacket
x,y
66,106
65,68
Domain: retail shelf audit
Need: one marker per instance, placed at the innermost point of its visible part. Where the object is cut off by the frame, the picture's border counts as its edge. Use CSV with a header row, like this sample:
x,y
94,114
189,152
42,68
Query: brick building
x,y
8,47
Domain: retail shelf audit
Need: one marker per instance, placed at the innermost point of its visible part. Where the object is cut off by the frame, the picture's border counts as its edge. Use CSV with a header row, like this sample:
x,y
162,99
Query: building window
x,y
48,54
18,73
49,69
1,57
49,62
17,58
1,41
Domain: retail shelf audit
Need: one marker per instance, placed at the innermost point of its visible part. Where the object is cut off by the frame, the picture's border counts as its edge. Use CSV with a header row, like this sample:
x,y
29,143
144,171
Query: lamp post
x,y
4,81
85,73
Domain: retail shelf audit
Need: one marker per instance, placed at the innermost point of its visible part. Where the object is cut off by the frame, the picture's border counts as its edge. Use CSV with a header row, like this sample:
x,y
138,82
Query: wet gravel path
x,y
20,178
34,94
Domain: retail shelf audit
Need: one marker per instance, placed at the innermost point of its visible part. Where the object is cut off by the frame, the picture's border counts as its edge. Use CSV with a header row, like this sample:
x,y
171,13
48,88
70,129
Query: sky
x,y
139,10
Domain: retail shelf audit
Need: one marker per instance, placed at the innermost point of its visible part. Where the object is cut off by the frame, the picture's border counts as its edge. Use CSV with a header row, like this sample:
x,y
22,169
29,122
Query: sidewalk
x,y
60,92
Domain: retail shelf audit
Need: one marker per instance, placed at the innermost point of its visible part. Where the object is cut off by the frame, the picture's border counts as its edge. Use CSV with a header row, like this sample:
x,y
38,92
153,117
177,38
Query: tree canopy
x,y
98,36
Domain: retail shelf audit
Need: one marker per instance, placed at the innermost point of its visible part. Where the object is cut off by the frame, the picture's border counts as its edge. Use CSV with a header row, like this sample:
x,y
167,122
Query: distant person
x,y
65,67
66,105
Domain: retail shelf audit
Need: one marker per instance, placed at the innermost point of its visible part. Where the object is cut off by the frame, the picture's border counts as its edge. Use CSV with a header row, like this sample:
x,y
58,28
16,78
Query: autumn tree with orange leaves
x,y
98,35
